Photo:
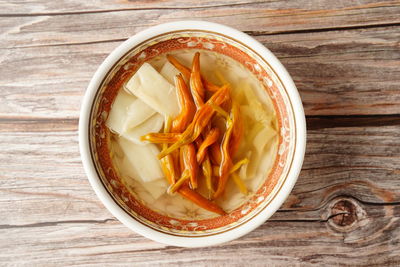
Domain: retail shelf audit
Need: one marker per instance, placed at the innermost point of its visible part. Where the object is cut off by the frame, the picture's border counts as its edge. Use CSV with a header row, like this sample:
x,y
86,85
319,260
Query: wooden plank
x,y
343,72
38,125
334,74
272,244
40,6
320,122
41,172
18,8
50,82
28,29
359,162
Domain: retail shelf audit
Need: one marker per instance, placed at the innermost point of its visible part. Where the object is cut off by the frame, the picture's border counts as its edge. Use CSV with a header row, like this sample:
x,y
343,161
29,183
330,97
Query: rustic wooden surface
x,y
345,59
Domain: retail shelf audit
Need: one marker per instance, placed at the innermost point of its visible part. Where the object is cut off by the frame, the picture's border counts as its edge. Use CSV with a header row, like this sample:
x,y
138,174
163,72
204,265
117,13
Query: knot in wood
x,y
344,213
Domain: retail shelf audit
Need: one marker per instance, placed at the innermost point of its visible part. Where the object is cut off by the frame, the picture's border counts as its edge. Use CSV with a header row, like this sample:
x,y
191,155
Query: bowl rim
x,y
116,210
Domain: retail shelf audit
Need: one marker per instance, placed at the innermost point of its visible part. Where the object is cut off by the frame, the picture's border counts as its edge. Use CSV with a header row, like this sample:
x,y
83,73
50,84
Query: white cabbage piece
x,y
125,168
126,112
256,108
153,89
155,188
243,170
252,97
208,62
116,120
143,158
259,143
185,57
151,125
257,138
257,113
168,71
137,113
262,138
260,165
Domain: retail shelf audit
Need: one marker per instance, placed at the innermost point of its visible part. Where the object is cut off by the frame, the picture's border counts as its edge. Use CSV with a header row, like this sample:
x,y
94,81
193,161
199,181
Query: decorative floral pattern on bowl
x,y
122,193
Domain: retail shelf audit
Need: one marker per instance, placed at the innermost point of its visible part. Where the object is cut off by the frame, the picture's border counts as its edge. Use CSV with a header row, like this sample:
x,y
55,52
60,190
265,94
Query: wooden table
x,y
345,59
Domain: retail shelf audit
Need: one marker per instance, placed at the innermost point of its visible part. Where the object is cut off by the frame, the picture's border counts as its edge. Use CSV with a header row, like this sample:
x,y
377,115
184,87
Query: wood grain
x,y
30,29
340,164
345,59
343,72
40,6
272,244
334,74
271,16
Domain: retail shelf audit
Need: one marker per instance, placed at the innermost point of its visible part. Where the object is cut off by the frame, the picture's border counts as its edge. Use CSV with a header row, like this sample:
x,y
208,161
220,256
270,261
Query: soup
x,y
146,108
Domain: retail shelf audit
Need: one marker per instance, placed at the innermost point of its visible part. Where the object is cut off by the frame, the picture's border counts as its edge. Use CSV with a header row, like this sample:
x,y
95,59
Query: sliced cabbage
x,y
253,130
256,142
168,71
185,58
155,188
262,138
143,158
125,168
137,113
255,105
238,93
260,165
116,120
126,112
151,125
153,89
243,170
257,113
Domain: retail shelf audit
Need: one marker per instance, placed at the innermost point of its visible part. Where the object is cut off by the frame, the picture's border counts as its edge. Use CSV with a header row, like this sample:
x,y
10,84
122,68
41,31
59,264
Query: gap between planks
x,y
27,124
251,33
322,220
67,13
45,224
212,6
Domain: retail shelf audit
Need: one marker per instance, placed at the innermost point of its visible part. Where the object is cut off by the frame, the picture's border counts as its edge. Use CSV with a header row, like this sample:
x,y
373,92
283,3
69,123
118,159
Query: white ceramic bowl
x,y
292,132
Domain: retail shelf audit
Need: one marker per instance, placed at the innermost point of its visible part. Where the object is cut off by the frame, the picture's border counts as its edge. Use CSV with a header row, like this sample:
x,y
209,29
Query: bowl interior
x,y
208,42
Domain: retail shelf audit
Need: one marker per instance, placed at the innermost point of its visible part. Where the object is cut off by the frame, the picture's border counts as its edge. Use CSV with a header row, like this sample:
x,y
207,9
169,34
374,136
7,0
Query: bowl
x,y
207,36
